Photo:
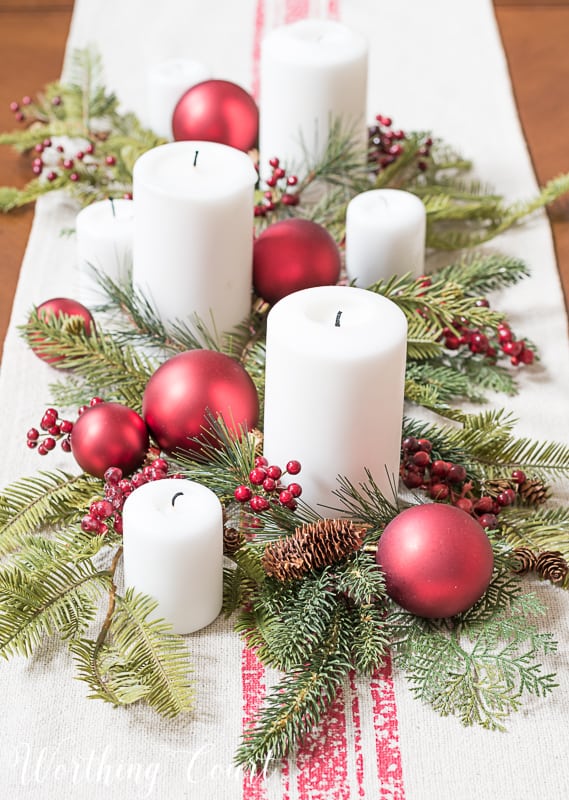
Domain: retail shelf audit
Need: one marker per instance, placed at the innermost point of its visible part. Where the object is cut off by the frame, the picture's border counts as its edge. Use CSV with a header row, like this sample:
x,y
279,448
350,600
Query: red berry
x,y
74,177
257,476
161,464
90,148
465,504
519,476
101,509
259,503
274,162
412,480
410,444
14,106
51,176
295,489
439,491
292,180
42,450
125,487
261,461
274,472
269,484
421,458
425,444
439,469
285,497
49,443
31,444
117,522
488,521
292,505
279,173
138,480
33,434
456,473
293,467
452,342
66,444
94,401
66,426
528,356
111,161
242,494
485,505
89,524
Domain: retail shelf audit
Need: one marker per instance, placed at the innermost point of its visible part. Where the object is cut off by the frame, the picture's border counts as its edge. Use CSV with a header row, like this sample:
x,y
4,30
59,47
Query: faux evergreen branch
x,y
481,272
42,501
543,529
366,503
144,660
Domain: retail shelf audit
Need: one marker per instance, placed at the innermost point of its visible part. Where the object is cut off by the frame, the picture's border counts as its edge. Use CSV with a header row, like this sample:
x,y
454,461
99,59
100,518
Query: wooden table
x,y
535,34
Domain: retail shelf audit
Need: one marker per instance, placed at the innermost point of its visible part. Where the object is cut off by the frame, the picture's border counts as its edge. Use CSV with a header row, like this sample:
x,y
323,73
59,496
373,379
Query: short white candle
x,y
104,243
193,232
313,72
334,388
385,236
173,550
166,82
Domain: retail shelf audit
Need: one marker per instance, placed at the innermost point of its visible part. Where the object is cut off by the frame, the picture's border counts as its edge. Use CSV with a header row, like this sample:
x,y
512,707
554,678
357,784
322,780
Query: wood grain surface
x,y
535,36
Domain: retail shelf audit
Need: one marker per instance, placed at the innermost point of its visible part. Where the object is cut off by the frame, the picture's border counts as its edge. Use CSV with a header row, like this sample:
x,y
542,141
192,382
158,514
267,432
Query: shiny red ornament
x,y
217,111
55,308
184,391
294,254
109,435
437,560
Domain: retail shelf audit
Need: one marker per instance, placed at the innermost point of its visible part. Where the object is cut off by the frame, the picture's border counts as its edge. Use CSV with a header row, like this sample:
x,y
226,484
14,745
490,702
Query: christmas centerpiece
x,y
352,528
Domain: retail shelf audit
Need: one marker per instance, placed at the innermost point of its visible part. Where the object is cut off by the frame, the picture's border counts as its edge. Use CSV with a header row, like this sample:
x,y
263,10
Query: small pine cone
x,y
312,546
524,560
232,540
552,566
534,492
497,486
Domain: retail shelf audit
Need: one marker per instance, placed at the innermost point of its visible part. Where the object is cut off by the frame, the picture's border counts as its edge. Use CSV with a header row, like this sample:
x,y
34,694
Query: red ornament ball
x,y
56,307
109,435
291,255
217,111
437,560
189,387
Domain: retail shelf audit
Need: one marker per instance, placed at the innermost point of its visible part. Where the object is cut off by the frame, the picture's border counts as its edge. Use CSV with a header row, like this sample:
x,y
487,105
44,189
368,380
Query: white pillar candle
x,y
173,550
385,236
334,388
104,242
193,232
313,72
166,82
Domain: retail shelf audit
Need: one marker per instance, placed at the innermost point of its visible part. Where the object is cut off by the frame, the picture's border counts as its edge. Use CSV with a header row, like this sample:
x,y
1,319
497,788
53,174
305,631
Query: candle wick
x,y
178,494
113,206
337,323
196,157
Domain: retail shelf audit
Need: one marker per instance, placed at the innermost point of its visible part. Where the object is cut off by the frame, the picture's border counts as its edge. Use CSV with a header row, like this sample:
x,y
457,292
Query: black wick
x,y
113,206
337,323
178,494
196,157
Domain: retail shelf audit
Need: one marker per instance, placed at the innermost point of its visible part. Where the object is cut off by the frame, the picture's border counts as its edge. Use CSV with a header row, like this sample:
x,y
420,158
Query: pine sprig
x,y
144,661
366,503
298,702
42,501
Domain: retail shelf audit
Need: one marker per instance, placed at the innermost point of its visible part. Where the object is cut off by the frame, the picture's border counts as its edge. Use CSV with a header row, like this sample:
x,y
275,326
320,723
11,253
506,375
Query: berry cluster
x,y
446,482
385,145
55,429
117,489
267,486
28,111
280,191
488,344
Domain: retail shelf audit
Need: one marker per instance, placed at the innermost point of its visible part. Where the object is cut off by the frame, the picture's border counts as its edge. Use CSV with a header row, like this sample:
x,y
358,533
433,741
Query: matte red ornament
x,y
109,435
437,560
217,111
294,254
188,388
56,307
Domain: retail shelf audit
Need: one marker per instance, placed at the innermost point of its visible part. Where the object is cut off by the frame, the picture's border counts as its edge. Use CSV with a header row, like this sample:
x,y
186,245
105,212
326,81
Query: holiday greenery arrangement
x,y
307,592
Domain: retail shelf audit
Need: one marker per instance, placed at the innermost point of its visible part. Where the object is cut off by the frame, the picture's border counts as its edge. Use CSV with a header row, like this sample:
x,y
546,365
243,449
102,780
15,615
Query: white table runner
x,y
436,65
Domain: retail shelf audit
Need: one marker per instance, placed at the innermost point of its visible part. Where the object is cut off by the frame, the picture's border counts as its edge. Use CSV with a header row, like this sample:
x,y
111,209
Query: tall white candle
x,y
385,236
313,72
193,232
104,243
334,388
166,82
173,550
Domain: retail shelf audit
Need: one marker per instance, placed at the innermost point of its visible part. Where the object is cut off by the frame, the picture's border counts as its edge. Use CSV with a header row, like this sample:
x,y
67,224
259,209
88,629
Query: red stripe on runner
x,y
323,759
357,729
254,689
296,9
386,729
334,9
257,38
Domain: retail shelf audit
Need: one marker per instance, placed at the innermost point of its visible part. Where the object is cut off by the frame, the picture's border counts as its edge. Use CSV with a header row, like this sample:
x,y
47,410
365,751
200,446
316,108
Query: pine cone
x,y
534,492
497,486
552,566
311,546
524,560
232,540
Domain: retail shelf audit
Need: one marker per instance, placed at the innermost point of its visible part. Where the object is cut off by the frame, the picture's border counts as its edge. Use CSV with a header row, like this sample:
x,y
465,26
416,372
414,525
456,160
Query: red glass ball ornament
x,y
189,387
55,308
109,435
437,560
294,254
217,111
